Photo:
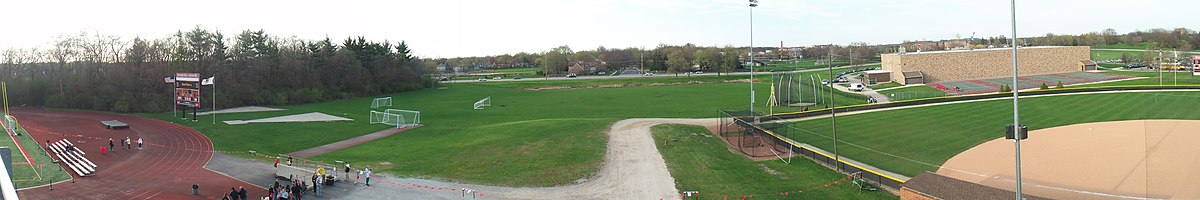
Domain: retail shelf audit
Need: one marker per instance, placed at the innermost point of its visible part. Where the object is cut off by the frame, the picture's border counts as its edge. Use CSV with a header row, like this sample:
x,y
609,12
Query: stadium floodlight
x,y
381,102
409,117
485,102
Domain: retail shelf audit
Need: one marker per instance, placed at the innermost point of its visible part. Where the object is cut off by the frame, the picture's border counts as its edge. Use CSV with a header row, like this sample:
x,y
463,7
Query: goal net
x,y
381,102
387,118
485,102
409,117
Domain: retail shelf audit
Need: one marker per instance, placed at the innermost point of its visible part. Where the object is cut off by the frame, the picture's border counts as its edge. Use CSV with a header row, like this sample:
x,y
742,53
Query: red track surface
x,y
172,160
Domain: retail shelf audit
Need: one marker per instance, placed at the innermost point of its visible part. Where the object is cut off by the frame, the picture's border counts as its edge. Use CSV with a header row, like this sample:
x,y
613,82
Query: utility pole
x,y
833,111
1016,95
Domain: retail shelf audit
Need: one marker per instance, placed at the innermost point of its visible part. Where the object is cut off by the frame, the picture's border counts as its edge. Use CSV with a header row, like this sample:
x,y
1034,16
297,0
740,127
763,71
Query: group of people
x,y
285,192
238,193
127,143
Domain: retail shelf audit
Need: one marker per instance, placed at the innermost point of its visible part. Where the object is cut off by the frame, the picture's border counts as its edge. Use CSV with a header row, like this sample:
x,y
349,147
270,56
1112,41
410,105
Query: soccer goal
x,y
387,118
408,117
485,102
381,102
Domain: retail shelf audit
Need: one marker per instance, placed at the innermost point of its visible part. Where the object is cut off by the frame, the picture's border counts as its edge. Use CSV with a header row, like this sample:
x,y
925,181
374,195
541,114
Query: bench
x,y
73,159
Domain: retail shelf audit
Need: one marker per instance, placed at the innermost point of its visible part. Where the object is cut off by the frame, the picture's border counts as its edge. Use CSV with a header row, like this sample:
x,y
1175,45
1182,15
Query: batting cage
x,y
744,130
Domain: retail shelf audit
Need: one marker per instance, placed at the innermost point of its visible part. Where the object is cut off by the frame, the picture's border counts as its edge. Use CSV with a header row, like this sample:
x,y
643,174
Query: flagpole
x,y
213,81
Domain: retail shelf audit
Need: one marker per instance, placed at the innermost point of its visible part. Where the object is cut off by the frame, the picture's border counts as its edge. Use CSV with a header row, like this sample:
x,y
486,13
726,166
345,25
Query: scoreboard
x,y
187,89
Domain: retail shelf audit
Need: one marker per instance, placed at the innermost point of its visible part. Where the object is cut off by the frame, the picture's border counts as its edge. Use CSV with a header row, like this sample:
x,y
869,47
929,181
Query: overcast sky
x,y
452,28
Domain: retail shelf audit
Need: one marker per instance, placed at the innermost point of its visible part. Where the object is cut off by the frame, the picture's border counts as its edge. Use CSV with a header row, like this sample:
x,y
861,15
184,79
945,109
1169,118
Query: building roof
x,y
950,189
913,74
877,71
988,49
1087,62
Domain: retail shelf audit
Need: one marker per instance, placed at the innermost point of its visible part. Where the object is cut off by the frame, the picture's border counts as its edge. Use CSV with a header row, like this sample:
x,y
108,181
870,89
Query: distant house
x,y
578,68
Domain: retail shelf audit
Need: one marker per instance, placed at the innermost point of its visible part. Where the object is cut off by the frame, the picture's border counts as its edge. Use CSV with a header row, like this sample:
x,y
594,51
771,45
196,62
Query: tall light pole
x,y
1016,90
753,3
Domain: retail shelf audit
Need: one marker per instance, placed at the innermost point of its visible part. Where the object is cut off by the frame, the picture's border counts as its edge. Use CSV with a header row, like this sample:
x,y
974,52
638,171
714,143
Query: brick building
x,y
939,66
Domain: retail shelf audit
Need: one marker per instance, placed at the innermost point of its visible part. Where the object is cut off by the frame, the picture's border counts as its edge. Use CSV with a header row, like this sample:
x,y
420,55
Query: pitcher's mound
x,y
1105,160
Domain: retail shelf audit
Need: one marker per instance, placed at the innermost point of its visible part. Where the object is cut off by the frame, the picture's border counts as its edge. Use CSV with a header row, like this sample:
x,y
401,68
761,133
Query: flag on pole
x,y
207,81
169,79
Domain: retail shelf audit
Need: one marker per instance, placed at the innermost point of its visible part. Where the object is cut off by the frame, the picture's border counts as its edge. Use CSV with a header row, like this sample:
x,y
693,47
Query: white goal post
x,y
387,118
409,117
485,102
381,102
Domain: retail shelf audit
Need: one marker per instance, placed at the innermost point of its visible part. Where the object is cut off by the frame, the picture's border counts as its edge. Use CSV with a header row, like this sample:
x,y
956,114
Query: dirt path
x,y
1105,160
331,147
632,169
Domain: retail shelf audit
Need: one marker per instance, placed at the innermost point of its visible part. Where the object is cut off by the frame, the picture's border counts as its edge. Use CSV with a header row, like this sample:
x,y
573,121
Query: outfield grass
x,y
701,162
1142,45
24,174
1114,55
664,79
913,92
926,137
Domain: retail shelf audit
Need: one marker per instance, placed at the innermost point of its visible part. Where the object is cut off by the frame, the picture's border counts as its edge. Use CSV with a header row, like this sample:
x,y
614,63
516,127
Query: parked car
x,y
445,78
497,78
857,87
482,79
825,82
571,75
649,74
517,78
699,72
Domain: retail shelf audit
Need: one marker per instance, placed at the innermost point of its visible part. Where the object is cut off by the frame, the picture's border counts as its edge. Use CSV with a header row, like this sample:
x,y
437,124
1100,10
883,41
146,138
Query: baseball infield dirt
x,y
1154,159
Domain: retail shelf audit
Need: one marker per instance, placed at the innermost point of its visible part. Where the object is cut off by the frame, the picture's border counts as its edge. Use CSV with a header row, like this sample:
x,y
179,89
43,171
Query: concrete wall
x,y
941,66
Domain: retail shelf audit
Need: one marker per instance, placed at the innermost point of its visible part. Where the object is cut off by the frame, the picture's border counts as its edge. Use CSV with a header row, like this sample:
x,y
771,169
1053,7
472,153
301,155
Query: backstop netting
x,y
381,102
387,118
485,102
793,89
409,117
745,131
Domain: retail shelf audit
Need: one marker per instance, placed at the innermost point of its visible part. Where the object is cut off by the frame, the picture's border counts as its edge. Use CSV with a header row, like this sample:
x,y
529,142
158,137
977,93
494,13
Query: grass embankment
x,y
702,162
25,174
928,136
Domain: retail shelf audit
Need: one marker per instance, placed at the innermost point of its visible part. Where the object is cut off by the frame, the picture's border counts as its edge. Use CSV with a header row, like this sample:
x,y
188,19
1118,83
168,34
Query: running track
x,y
172,160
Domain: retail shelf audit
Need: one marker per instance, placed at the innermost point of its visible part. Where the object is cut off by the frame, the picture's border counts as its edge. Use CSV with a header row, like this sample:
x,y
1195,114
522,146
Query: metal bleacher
x,y
73,159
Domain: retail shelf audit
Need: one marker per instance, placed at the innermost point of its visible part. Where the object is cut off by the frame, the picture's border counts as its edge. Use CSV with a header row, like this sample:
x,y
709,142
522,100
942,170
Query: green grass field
x,y
701,162
1142,45
914,92
884,85
526,138
798,65
1150,78
1114,55
923,138
528,72
23,173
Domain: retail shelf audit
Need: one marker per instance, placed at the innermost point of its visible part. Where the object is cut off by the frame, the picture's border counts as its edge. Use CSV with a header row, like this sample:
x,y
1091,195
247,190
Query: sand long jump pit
x,y
1140,159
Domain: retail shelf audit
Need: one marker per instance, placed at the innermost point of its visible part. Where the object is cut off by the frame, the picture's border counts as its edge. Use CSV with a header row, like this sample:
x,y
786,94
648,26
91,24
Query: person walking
x,y
277,162
110,143
139,142
128,144
233,193
367,173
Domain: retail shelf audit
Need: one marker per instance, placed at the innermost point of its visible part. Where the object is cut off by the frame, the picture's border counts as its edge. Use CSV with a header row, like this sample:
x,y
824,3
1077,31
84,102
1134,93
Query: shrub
x,y
1059,85
1044,86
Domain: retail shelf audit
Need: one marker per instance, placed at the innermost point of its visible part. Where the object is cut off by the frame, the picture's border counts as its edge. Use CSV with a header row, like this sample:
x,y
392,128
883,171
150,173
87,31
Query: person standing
x,y
367,173
233,193
277,162
139,142
242,192
318,184
128,144
347,177
110,143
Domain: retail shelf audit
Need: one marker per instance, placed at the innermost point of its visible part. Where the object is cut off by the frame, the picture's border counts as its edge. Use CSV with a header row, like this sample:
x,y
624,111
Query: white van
x,y
857,87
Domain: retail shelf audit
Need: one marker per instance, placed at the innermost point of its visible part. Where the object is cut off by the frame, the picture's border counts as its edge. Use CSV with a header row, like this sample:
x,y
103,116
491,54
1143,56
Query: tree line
x,y
108,73
556,61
